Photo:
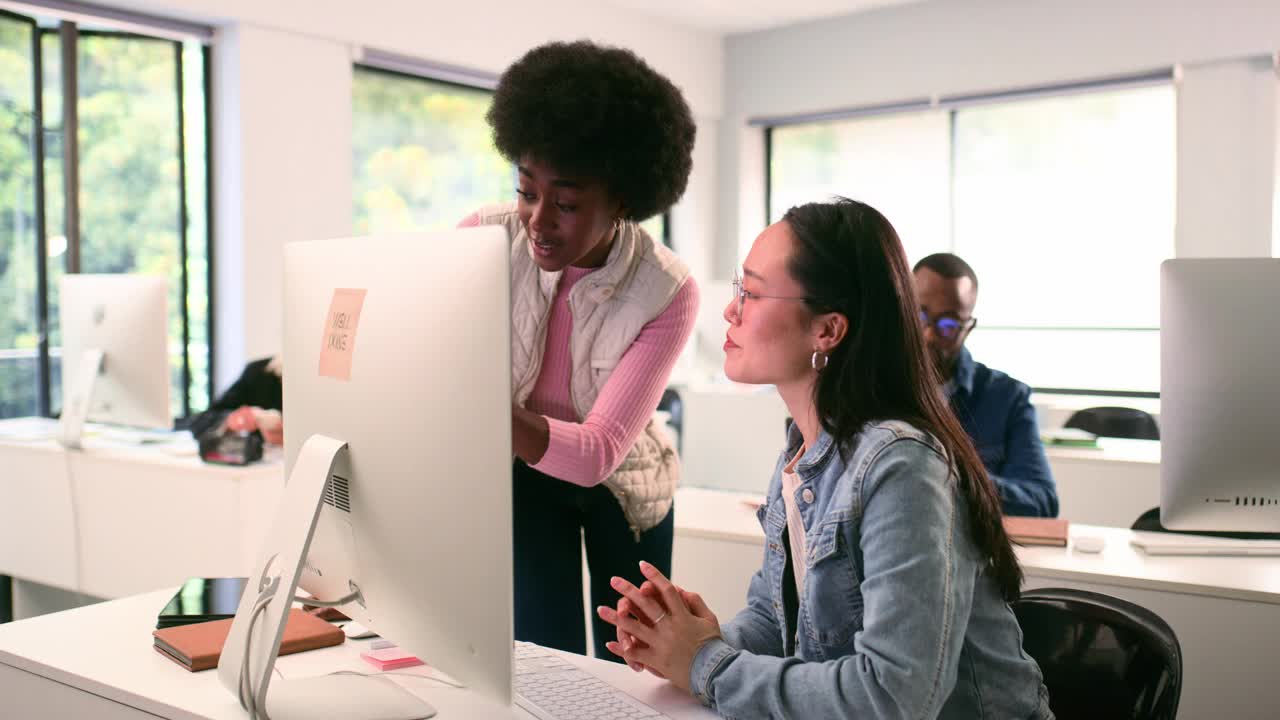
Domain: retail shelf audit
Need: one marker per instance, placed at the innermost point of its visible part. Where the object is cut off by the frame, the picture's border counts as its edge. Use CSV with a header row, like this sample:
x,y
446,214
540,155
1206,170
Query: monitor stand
x,y
75,407
249,655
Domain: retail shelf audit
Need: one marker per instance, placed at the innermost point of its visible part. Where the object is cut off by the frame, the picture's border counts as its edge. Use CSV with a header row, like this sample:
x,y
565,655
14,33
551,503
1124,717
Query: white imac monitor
x,y
398,452
1220,395
115,361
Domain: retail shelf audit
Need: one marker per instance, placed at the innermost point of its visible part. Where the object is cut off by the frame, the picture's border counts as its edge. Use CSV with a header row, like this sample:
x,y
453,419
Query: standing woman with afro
x,y
599,313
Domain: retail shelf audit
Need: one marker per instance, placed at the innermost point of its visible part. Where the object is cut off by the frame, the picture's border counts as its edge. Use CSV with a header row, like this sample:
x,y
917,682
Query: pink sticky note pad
x,y
338,340
390,658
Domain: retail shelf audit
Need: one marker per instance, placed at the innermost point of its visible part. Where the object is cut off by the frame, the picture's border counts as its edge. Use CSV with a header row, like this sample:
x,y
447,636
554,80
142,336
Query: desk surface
x,y
727,516
178,450
1146,452
105,650
119,518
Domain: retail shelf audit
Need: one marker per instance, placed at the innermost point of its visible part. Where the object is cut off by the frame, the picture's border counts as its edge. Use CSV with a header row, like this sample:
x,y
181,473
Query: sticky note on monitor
x,y
338,340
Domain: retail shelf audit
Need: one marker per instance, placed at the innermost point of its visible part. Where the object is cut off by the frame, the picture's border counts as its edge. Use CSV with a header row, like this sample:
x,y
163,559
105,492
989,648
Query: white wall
x,y
945,47
1226,158
282,164
282,127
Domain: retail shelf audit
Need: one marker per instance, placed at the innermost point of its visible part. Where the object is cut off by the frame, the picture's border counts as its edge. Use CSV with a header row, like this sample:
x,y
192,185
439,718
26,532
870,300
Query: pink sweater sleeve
x,y
588,452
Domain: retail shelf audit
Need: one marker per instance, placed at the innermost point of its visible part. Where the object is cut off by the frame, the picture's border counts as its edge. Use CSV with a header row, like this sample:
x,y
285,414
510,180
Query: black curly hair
x,y
600,113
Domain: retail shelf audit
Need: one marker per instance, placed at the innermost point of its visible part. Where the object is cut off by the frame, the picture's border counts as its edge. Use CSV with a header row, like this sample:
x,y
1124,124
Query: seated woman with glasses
x,y
887,574
994,409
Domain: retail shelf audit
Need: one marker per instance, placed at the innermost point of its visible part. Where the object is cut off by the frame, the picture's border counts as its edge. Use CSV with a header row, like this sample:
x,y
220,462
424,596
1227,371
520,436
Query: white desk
x,y
97,662
1110,485
1224,610
114,519
732,435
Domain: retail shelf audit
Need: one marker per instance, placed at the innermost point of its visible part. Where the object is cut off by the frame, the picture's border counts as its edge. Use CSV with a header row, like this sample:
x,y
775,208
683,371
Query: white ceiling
x,y
736,16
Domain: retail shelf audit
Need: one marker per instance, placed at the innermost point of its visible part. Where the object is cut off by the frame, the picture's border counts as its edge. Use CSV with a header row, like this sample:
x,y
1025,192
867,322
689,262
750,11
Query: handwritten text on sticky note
x,y
338,345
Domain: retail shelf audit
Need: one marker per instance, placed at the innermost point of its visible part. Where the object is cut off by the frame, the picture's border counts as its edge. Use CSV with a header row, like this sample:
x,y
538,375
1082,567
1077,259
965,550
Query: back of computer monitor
x,y
399,346
1220,394
125,317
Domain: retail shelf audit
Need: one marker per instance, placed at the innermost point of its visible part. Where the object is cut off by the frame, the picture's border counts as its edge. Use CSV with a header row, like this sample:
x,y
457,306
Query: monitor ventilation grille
x,y
337,493
1245,501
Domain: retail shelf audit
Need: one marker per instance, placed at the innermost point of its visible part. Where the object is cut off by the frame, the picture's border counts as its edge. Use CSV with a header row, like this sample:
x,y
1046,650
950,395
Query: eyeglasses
x,y
946,326
740,293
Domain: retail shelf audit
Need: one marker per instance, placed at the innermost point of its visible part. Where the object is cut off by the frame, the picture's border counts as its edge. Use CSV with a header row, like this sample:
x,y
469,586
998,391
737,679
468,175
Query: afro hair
x,y
600,113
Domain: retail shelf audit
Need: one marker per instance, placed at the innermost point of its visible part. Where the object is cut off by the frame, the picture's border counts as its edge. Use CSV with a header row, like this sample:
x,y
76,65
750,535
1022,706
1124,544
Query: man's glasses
x,y
740,294
946,326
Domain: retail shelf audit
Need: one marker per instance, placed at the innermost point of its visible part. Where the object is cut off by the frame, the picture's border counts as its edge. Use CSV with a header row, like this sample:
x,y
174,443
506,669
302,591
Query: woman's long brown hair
x,y
849,260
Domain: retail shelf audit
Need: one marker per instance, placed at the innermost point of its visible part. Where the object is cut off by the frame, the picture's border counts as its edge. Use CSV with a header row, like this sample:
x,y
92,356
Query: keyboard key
x,y
552,688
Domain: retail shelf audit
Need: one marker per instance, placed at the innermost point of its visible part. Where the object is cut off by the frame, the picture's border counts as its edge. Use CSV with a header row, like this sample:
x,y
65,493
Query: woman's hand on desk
x,y
247,419
659,629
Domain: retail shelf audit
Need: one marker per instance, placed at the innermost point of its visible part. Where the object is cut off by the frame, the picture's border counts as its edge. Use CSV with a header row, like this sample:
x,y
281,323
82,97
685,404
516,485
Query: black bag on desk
x,y
227,447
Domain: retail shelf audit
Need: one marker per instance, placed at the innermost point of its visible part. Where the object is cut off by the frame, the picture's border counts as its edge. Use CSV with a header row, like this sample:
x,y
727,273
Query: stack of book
x,y
198,646
1036,531
1069,437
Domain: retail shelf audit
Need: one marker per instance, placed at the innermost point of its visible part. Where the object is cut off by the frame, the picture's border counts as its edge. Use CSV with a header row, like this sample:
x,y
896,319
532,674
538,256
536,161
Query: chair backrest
x,y
1118,422
1102,657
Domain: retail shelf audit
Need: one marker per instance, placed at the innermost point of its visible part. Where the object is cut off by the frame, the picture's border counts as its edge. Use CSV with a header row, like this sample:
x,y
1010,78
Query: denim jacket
x,y
897,617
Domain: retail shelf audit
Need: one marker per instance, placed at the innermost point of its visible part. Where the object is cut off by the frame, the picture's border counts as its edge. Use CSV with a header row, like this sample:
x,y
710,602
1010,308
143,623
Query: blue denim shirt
x,y
997,413
897,617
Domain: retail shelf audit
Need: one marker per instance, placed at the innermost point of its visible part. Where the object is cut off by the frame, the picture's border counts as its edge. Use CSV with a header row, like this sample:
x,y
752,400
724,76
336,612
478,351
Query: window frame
x,y
954,104
176,34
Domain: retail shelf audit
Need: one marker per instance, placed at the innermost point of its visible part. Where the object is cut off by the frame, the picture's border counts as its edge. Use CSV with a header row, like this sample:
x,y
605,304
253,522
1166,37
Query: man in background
x,y
994,408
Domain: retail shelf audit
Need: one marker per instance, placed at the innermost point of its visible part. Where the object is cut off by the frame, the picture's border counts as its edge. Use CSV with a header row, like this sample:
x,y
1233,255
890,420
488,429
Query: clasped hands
x,y
660,626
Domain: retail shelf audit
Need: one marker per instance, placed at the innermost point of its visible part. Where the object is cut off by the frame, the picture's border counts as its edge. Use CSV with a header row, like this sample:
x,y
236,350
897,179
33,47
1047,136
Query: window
x,y
424,154
659,228
140,138
1063,204
899,164
19,296
1065,208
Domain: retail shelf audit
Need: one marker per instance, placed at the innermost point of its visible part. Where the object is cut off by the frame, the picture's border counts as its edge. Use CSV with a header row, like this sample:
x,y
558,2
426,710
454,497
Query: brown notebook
x,y
197,647
1036,531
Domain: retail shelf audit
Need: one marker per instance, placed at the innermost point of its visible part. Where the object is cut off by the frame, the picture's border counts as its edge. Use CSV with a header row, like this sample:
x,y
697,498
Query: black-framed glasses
x,y
946,326
740,294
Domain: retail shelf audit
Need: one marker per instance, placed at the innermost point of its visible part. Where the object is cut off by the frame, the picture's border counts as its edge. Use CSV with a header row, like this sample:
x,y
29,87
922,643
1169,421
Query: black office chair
x,y
1117,422
1102,657
671,404
1150,522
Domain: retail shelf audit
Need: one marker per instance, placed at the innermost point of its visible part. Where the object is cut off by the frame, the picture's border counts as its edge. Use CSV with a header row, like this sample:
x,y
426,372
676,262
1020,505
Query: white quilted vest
x,y
610,307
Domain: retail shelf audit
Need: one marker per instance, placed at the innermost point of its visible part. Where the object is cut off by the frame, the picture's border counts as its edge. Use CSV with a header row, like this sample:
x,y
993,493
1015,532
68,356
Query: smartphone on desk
x,y
201,600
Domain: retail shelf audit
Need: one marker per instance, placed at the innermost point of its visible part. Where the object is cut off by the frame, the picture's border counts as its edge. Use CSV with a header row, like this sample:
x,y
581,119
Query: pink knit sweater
x,y
585,453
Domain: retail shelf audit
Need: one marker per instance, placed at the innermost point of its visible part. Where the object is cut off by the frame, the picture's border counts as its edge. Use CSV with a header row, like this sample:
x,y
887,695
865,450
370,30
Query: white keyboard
x,y
552,688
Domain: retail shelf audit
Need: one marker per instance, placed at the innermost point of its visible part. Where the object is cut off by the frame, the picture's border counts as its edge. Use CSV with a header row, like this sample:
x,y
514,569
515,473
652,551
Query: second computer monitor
x,y
399,347
1220,394
119,324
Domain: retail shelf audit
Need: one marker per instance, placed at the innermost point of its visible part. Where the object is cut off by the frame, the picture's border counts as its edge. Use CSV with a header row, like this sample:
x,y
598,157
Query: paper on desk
x,y
315,663
32,429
